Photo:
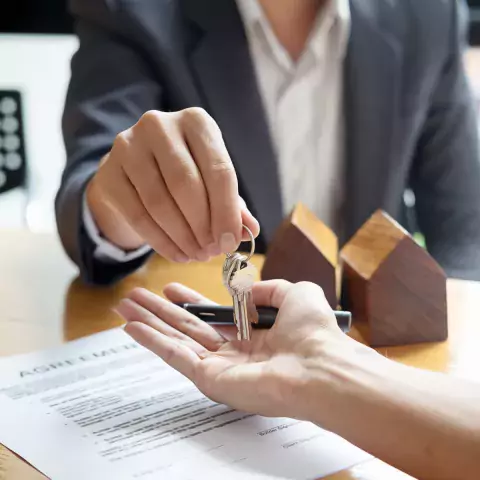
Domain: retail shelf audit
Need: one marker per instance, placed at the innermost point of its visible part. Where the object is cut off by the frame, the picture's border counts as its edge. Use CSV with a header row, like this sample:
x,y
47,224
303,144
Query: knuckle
x,y
160,130
196,117
152,117
152,125
222,167
122,141
224,172
195,114
184,181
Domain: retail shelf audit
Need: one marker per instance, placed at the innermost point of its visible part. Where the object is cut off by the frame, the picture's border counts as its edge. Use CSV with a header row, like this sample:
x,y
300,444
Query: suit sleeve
x,y
446,171
111,86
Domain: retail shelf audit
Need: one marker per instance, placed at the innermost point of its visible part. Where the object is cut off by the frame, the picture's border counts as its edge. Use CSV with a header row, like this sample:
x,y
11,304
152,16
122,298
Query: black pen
x,y
220,315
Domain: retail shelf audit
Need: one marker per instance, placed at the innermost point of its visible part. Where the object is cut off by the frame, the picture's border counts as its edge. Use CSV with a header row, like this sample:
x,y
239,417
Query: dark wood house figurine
x,y
304,249
394,288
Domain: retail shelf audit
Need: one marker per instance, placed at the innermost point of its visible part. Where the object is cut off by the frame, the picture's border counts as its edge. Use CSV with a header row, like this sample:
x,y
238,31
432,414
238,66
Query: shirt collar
x,y
336,13
334,17
251,13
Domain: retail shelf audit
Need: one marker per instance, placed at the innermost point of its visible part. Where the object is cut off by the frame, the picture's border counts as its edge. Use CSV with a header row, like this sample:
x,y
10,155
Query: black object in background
x,y
474,21
35,16
12,141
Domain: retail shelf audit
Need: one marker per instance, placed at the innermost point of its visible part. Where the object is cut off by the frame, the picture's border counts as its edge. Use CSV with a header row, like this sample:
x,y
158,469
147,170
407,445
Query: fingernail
x,y
181,258
203,256
228,243
213,250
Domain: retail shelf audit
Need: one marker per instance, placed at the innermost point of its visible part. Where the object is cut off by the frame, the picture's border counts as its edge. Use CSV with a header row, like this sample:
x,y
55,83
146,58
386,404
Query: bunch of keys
x,y
238,277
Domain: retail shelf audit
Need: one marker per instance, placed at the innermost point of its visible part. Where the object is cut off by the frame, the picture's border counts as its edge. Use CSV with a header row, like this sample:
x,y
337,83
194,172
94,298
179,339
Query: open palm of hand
x,y
261,376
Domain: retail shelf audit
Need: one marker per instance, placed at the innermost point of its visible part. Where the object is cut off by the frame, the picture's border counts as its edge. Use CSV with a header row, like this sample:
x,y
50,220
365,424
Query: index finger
x,y
205,141
178,293
179,319
176,354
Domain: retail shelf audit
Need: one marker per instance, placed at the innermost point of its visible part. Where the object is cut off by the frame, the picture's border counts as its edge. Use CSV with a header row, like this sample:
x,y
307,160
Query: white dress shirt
x,y
303,106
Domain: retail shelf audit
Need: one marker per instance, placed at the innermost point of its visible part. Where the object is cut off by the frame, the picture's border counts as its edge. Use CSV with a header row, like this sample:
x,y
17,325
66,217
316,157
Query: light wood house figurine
x,y
393,287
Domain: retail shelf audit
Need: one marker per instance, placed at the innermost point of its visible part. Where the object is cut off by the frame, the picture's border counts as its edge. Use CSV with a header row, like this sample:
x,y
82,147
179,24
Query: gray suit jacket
x,y
410,115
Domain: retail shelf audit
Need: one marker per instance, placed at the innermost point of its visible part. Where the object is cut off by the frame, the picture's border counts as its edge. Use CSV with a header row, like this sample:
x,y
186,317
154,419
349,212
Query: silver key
x,y
243,325
238,277
242,281
231,265
239,280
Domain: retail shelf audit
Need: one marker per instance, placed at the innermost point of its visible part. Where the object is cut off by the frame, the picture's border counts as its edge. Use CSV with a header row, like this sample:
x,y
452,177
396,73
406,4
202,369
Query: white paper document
x,y
104,407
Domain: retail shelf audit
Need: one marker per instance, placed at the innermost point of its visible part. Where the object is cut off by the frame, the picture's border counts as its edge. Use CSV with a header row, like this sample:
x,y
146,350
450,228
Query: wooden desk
x,y
42,305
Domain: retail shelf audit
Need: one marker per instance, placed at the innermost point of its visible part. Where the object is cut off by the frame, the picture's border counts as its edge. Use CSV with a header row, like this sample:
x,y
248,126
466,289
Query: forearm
x,y
424,423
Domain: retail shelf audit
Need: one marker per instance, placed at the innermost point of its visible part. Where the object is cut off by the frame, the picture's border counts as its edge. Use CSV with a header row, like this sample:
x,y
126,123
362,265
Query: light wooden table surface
x,y
42,304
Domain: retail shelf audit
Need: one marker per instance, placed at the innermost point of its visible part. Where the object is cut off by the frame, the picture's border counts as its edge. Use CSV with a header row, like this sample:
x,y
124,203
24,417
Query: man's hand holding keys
x,y
169,182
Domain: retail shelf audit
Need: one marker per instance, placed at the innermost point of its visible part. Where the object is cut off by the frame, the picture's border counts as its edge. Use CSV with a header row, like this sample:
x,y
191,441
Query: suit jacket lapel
x,y
224,71
372,85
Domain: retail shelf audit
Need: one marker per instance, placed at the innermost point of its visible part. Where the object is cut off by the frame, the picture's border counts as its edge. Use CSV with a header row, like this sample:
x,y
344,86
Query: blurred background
x,y
36,45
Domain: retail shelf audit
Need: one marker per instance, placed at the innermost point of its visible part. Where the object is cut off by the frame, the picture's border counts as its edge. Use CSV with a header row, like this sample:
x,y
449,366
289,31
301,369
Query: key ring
x,y
252,241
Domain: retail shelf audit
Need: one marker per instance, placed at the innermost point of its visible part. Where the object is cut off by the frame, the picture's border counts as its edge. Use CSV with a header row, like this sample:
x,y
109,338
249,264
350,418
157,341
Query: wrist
x,y
337,376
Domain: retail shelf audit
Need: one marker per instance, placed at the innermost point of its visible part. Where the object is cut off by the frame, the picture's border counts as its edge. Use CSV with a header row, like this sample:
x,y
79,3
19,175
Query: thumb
x,y
249,221
271,293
